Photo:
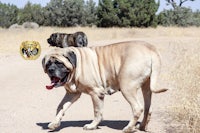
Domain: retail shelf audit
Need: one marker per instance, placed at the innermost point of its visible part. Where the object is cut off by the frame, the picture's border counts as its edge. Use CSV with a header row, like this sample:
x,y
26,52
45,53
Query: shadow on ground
x,y
118,125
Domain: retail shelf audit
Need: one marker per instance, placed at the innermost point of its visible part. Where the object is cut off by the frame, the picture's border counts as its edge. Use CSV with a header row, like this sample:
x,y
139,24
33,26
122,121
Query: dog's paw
x,y
129,130
89,127
53,125
138,125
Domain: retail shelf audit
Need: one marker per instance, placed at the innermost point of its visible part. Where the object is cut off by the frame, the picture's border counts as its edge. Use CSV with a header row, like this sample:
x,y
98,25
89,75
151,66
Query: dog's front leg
x,y
66,102
98,113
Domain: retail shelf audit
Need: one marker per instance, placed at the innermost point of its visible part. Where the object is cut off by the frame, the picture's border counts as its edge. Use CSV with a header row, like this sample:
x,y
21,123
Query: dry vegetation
x,y
185,109
179,48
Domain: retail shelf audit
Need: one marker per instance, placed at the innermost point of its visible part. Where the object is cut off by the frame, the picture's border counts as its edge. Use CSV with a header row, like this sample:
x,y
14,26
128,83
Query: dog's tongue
x,y
53,82
49,87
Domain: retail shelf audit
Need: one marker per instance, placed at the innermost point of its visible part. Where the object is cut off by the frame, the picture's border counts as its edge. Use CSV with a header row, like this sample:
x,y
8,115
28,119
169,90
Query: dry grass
x,y
185,109
179,48
11,39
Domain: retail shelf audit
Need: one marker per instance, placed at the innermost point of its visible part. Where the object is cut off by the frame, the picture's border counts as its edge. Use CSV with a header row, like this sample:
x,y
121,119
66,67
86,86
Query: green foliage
x,y
143,13
125,13
122,8
65,13
56,13
8,15
108,13
90,13
74,12
31,13
180,16
52,12
196,18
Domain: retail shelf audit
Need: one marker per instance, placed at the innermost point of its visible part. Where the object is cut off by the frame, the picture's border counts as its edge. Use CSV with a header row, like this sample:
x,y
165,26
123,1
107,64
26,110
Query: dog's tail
x,y
155,71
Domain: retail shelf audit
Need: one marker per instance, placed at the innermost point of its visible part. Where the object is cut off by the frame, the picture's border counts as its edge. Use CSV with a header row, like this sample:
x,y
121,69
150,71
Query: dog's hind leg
x,y
130,94
66,102
147,103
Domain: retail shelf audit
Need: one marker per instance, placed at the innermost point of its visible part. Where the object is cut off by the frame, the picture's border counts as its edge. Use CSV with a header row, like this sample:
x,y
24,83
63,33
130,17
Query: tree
x,y
74,12
143,13
8,15
90,13
178,16
64,12
196,18
122,8
126,13
53,13
31,13
106,13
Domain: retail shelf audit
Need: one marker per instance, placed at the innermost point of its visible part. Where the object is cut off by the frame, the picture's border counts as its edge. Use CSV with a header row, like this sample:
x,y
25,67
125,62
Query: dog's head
x,y
59,67
56,39
80,39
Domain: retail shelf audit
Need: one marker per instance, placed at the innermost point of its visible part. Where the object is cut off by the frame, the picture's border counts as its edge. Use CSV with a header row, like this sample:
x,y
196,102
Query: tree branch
x,y
174,4
181,2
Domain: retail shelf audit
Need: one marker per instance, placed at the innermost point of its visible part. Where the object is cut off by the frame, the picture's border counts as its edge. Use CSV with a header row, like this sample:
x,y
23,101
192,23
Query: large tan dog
x,y
97,71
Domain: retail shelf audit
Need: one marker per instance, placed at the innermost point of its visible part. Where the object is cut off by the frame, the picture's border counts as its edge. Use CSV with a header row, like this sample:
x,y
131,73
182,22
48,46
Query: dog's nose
x,y
48,40
51,70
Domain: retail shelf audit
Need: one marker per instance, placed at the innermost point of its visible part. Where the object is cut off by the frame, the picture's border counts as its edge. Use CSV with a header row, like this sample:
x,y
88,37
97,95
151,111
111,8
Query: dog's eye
x,y
57,62
68,70
48,64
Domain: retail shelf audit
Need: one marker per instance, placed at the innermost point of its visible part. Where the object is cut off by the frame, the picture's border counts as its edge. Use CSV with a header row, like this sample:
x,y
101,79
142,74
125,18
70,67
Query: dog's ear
x,y
71,56
54,35
44,65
